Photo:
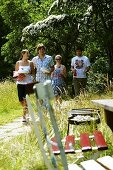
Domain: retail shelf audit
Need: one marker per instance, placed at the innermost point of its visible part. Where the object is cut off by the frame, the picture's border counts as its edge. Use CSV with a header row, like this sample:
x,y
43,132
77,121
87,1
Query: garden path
x,y
13,129
16,127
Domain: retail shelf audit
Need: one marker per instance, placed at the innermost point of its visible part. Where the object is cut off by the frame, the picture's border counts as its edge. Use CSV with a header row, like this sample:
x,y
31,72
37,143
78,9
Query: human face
x,y
26,55
58,59
41,51
78,52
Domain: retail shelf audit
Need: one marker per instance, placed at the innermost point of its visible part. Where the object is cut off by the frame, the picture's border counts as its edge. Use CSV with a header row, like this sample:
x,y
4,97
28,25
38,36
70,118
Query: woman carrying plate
x,y
24,70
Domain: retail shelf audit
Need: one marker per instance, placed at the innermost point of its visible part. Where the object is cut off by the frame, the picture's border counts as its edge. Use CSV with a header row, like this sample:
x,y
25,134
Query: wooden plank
x,y
47,95
38,134
91,165
99,140
74,167
105,103
106,161
69,144
55,147
85,142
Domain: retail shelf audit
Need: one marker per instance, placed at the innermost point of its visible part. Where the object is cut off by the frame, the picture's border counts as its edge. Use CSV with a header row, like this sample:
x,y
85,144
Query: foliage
x,y
99,26
88,23
62,22
96,82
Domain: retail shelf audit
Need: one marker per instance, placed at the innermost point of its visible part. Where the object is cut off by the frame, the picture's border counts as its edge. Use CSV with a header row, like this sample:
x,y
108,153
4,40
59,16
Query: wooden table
x,y
107,105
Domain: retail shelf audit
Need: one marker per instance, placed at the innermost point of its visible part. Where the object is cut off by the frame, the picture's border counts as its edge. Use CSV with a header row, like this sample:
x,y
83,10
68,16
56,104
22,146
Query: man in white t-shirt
x,y
80,65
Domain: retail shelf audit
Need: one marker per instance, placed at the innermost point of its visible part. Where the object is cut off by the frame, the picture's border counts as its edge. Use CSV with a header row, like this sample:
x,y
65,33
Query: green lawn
x,y
9,105
22,152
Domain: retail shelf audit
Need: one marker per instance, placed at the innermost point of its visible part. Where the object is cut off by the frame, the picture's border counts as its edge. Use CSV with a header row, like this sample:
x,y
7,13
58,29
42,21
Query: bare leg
x,y
25,108
58,100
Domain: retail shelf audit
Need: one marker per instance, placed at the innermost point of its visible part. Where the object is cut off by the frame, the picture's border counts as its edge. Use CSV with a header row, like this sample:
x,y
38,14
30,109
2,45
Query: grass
x,y
10,107
22,152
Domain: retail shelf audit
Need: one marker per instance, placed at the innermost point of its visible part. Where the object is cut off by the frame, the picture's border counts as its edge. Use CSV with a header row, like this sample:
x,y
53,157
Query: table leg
x,y
109,118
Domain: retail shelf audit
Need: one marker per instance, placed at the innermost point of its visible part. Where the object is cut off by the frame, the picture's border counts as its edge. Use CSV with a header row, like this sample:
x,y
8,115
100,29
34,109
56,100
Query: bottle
x,y
75,74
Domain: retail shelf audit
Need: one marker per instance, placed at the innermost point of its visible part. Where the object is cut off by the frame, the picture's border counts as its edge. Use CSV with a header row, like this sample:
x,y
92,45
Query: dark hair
x,y
79,48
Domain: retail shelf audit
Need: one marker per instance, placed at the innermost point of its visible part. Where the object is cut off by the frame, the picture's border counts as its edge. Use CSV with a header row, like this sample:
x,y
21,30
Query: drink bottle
x,y
75,74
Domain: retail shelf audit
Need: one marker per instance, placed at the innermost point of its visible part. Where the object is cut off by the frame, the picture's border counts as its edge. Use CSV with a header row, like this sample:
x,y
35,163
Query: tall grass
x,y
22,153
9,104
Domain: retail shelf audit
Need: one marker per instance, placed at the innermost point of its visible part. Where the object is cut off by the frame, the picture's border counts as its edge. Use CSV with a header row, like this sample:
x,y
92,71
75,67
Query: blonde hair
x,y
58,56
40,46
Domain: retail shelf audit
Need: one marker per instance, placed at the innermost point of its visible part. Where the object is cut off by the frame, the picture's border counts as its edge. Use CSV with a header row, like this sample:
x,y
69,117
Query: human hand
x,y
15,74
45,71
73,71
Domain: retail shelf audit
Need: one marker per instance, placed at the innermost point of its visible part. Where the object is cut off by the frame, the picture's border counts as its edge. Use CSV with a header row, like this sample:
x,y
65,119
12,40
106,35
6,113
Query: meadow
x,y
22,152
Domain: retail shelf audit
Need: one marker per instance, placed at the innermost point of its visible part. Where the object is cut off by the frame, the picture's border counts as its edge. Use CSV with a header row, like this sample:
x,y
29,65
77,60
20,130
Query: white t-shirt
x,y
80,63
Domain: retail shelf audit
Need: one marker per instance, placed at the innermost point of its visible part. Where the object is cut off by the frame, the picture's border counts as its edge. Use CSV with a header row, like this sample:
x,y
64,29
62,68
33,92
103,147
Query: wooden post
x,y
38,135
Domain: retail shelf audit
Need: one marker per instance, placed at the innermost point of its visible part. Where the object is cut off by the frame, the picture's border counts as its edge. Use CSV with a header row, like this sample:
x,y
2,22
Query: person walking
x,y
24,70
43,63
58,79
80,65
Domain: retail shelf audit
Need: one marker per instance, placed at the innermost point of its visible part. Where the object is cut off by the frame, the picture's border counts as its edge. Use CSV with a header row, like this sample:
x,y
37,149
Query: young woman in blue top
x,y
58,79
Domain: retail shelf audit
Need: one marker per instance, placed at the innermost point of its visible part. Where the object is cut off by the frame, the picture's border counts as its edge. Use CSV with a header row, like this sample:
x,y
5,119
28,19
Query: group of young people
x,y
42,68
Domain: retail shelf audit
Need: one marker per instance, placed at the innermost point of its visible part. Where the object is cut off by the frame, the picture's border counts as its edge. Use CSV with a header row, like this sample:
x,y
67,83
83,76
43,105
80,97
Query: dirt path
x,y
16,127
13,129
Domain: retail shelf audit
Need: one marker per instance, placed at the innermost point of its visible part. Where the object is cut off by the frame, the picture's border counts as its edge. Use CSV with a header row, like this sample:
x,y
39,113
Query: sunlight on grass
x,y
22,152
9,105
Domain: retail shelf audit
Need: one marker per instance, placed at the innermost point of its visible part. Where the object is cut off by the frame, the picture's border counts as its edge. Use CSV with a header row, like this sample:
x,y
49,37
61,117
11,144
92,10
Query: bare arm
x,y
64,72
87,69
32,70
17,66
72,69
52,69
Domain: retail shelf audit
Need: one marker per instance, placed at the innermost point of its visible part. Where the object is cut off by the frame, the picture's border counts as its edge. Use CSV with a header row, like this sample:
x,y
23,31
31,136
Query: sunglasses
x,y
58,59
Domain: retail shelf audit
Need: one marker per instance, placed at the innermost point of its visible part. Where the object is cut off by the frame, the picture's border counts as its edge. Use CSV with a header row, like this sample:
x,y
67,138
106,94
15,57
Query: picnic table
x,y
107,105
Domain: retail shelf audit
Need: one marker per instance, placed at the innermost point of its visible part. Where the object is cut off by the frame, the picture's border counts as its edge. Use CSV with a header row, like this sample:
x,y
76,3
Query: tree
x,y
99,27
60,30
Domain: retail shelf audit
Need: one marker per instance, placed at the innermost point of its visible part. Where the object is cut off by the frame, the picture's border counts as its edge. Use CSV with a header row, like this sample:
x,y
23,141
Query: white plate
x,y
15,73
44,70
22,72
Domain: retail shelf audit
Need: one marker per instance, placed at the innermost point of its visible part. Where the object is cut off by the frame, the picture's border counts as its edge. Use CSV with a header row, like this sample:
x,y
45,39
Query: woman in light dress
x,y
58,79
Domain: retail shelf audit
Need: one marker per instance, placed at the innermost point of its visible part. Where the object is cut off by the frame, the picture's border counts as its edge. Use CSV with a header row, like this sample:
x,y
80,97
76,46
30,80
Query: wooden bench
x,y
102,163
85,143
